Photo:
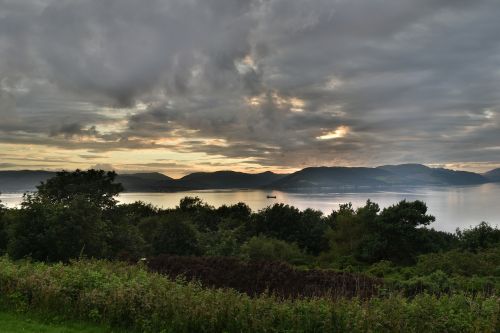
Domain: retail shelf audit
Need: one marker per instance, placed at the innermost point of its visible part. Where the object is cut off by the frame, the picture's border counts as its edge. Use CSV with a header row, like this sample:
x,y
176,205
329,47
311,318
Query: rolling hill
x,y
145,182
305,179
493,175
418,174
227,180
383,176
327,177
22,180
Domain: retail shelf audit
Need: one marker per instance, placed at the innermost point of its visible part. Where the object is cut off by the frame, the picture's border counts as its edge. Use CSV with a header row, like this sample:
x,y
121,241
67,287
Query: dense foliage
x,y
76,215
130,297
399,274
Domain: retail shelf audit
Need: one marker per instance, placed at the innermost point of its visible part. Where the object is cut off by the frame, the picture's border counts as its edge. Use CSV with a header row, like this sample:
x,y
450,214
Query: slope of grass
x,y
133,298
22,323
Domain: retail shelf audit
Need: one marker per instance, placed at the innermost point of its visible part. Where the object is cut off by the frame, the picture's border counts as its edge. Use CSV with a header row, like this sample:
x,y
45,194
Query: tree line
x,y
76,214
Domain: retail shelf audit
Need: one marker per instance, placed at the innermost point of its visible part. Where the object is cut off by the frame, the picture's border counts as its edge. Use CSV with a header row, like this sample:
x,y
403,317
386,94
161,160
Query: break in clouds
x,y
264,84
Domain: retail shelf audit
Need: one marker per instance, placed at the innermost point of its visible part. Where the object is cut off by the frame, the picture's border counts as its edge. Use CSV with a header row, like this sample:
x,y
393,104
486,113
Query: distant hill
x,y
317,177
145,182
493,175
227,180
28,180
387,175
23,180
418,174
308,178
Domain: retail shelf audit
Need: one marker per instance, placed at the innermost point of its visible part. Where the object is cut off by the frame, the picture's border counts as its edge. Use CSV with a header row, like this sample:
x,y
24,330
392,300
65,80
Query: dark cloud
x,y
90,156
73,129
275,82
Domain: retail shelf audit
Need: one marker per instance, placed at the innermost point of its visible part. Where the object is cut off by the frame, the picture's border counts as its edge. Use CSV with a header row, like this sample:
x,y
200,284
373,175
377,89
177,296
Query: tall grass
x,y
131,297
27,323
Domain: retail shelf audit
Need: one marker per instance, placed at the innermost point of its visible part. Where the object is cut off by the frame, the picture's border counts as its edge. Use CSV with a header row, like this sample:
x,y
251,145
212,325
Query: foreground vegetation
x,y
129,296
275,270
22,323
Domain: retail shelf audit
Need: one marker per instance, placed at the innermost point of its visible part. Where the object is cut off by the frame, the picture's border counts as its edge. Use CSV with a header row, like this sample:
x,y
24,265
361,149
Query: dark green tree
x,y
65,218
124,238
170,234
202,215
240,212
306,229
56,232
349,226
95,186
479,237
395,233
3,229
191,204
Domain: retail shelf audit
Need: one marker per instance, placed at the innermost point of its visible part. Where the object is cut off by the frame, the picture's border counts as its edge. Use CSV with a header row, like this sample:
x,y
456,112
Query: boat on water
x,y
271,197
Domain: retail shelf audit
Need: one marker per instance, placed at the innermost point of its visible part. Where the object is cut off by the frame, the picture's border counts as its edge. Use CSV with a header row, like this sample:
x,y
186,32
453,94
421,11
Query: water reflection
x,y
453,206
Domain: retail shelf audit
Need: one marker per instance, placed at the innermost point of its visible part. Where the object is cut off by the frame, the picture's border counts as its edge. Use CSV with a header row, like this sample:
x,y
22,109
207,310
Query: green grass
x,y
118,295
23,323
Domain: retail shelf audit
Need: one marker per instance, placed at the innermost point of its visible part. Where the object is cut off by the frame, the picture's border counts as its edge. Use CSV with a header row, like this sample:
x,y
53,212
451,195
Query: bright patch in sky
x,y
340,132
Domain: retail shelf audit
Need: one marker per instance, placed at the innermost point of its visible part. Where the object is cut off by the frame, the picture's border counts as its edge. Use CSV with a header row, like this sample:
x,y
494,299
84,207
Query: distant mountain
x,y
308,178
145,182
227,180
23,180
317,177
28,180
387,175
418,174
493,175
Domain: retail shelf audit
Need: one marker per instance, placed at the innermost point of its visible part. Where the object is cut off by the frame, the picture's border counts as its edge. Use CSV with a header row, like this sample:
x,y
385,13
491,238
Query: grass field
x,y
22,323
130,297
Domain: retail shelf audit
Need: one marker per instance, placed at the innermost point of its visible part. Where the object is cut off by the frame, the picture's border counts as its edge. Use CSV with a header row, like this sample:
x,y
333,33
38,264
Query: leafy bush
x,y
265,248
457,262
219,243
446,272
479,237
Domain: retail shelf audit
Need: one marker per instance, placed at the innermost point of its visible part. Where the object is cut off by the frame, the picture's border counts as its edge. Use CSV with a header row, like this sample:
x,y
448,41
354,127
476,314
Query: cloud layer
x,y
174,85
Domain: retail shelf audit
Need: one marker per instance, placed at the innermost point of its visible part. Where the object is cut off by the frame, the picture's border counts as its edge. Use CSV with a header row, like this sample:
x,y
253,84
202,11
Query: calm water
x,y
452,206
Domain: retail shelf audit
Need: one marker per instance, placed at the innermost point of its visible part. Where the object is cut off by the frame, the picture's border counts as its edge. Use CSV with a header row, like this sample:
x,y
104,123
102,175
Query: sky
x,y
178,86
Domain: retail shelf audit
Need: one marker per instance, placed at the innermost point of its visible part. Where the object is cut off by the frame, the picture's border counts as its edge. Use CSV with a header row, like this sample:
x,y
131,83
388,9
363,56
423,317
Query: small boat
x,y
271,197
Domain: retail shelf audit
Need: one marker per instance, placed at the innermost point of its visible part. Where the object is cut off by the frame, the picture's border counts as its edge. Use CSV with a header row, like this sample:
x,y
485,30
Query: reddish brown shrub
x,y
257,277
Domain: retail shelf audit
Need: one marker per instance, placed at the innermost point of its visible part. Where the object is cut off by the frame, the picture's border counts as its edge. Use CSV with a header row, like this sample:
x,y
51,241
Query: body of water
x,y
452,206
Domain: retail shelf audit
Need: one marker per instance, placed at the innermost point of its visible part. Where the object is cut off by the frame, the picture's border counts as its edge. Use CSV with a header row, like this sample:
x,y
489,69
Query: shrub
x,y
221,242
257,277
479,237
265,248
457,262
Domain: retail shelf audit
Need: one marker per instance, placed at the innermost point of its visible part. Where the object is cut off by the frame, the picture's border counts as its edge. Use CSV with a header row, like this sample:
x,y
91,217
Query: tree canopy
x,y
95,186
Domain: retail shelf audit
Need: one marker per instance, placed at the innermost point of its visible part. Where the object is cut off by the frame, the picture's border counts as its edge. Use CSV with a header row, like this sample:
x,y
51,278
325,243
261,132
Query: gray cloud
x,y
73,129
407,80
